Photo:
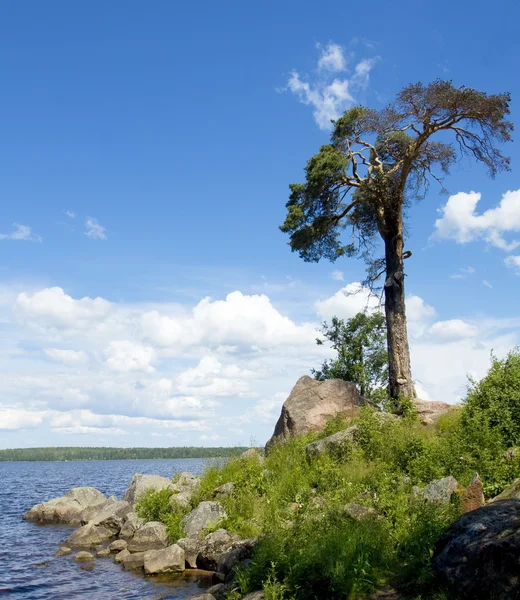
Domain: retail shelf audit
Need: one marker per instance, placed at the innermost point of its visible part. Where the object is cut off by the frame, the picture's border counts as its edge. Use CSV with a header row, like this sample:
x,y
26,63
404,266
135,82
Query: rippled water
x,y
28,569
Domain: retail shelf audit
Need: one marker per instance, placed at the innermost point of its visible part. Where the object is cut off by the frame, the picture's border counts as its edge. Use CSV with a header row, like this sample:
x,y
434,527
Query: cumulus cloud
x,y
12,419
330,98
52,308
453,329
125,356
461,223
239,320
67,357
21,233
332,58
94,230
337,275
347,302
513,262
211,378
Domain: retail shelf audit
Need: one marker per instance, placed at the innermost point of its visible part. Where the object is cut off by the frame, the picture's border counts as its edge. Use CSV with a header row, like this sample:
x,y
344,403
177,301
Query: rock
x,y
473,496
89,535
358,511
82,556
117,545
105,553
203,597
511,492
438,491
428,411
140,483
74,508
223,491
205,515
120,557
253,453
312,403
191,551
63,551
166,560
184,489
151,536
222,591
213,546
112,514
241,551
131,523
133,561
254,596
335,444
478,556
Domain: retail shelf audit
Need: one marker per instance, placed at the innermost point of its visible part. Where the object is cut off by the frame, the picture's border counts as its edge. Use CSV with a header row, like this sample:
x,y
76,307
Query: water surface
x,y
28,569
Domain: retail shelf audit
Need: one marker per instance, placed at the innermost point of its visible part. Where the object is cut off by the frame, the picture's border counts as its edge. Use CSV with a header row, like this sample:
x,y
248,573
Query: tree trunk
x,y
400,374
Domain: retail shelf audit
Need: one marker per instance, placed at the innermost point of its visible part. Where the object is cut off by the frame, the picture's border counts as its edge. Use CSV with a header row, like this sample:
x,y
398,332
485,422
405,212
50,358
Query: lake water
x,y
28,569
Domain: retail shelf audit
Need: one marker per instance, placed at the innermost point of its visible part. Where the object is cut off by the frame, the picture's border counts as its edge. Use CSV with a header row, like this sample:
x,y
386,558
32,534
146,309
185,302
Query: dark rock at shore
x,y
478,557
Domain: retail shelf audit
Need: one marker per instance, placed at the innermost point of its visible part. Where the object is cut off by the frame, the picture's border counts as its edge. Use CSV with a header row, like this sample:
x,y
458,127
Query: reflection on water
x,y
28,569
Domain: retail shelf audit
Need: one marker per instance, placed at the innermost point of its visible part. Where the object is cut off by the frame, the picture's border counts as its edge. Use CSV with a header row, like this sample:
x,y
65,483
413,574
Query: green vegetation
x,y
357,188
361,356
78,453
310,546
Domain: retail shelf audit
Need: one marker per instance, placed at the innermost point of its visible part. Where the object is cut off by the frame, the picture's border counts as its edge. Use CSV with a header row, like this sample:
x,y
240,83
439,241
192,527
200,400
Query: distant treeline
x,y
74,453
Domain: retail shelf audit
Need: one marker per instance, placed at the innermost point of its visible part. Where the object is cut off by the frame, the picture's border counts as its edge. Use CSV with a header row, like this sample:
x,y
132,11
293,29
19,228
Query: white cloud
x,y
513,262
94,230
53,308
211,378
67,357
453,329
79,429
463,272
486,283
330,98
12,419
460,222
337,275
125,356
332,58
347,302
239,320
21,233
70,214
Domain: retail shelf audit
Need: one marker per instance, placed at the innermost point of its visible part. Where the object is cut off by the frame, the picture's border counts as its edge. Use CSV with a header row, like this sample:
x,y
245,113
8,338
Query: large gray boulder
x,y
241,550
133,561
141,483
478,557
166,560
438,491
89,535
191,551
207,514
337,443
312,403
429,411
183,490
131,523
112,514
151,536
213,547
74,508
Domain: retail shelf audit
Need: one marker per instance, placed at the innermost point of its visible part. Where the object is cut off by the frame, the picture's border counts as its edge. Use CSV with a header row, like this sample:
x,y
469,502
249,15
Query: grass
x,y
309,548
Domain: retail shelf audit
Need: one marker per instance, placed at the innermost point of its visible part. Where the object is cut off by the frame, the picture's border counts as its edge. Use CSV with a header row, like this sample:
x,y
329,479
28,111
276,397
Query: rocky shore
x,y
109,528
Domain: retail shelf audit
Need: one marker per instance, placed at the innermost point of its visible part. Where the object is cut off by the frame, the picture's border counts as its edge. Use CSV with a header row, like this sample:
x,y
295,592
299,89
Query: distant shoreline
x,y
72,453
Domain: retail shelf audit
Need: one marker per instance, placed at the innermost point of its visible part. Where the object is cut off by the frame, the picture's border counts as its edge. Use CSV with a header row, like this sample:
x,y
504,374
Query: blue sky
x,y
147,296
